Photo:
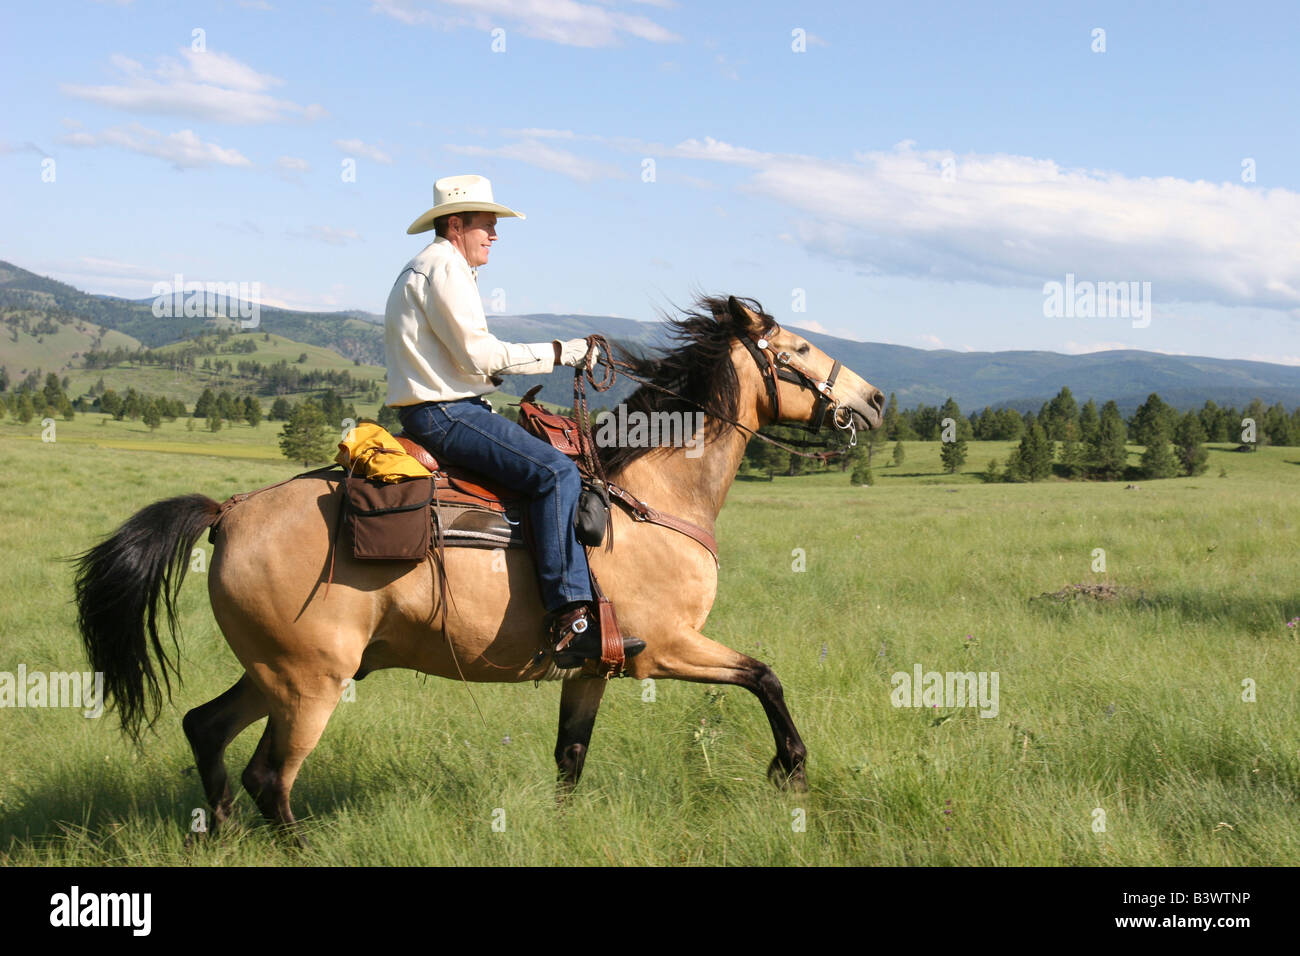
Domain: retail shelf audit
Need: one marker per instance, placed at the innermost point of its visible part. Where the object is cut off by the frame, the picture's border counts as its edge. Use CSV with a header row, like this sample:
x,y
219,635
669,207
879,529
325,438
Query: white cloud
x,y
811,325
210,86
326,234
292,164
567,22
183,149
27,147
1275,359
537,153
1016,221
931,340
281,297
1083,348
364,149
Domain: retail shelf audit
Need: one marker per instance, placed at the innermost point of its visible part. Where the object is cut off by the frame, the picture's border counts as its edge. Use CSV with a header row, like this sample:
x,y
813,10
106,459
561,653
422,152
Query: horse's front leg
x,y
579,701
689,655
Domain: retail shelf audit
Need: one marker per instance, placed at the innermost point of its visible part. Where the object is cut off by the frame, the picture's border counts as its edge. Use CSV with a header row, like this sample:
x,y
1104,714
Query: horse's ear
x,y
744,317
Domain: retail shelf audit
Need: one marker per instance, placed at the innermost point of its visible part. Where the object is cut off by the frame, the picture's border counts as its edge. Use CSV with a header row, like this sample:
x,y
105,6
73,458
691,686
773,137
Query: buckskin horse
x,y
299,640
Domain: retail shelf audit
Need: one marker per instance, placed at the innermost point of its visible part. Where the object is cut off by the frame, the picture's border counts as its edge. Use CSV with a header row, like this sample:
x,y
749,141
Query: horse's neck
x,y
691,483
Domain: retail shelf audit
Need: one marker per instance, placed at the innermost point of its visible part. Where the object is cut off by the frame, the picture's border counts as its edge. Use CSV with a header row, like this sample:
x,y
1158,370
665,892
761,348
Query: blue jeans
x,y
469,433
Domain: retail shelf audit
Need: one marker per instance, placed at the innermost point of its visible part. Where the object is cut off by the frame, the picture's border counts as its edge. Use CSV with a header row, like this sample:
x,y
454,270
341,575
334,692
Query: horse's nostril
x,y
878,401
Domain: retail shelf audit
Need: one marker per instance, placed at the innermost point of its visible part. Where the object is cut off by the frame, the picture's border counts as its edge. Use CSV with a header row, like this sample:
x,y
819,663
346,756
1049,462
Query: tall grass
x,y
1131,706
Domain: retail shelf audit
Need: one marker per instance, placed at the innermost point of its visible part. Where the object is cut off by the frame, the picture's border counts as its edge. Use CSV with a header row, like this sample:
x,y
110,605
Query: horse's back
x,y
283,580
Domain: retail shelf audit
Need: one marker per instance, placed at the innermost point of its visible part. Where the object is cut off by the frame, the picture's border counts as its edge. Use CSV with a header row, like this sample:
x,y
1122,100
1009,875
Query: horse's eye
x,y
803,349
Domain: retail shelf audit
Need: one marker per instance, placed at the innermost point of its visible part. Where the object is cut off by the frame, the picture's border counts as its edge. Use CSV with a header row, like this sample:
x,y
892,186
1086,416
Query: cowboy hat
x,y
460,194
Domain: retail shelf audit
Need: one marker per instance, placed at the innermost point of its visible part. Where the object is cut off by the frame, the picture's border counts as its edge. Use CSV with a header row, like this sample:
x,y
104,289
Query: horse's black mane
x,y
699,368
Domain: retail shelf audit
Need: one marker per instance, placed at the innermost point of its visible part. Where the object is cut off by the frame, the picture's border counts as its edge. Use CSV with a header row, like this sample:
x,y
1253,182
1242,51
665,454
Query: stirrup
x,y
575,638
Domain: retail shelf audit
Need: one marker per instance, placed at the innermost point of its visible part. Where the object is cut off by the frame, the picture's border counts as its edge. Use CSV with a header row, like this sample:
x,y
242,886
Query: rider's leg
x,y
469,433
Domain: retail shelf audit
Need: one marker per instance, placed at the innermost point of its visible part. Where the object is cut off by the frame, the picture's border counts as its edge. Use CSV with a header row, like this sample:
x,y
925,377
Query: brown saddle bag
x,y
389,521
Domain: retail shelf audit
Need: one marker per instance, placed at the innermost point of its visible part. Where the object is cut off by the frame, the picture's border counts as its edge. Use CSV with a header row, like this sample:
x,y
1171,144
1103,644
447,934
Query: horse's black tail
x,y
120,583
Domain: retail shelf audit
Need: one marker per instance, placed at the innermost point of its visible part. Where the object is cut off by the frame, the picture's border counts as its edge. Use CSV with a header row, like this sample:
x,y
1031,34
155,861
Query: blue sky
x,y
914,175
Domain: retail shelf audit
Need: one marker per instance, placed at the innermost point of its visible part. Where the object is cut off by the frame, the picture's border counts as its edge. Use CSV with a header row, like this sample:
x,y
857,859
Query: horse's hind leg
x,y
298,719
579,702
693,657
210,729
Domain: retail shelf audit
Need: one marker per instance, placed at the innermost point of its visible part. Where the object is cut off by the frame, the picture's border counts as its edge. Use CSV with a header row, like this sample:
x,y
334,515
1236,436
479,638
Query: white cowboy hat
x,y
460,194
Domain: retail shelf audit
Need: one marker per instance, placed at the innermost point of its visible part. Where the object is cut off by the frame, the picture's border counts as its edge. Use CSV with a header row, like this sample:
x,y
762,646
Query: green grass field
x,y
1132,706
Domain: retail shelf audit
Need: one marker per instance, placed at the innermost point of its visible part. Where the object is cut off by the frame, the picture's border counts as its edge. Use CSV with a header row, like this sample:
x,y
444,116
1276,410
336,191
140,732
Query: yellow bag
x,y
371,452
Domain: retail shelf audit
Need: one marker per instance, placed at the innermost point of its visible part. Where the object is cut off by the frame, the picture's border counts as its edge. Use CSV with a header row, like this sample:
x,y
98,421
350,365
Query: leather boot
x,y
578,630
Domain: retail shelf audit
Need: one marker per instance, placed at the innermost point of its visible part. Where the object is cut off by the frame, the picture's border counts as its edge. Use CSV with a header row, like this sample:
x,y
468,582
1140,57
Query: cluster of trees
x,y
278,378
225,406
1063,438
282,378
33,398
38,324
1062,419
153,410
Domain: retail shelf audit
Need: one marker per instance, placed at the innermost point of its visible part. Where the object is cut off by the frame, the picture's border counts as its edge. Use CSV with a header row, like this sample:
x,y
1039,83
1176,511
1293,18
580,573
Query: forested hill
x,y
1023,380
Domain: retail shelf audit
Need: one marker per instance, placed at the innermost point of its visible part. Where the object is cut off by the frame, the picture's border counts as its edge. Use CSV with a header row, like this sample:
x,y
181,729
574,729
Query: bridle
x,y
774,365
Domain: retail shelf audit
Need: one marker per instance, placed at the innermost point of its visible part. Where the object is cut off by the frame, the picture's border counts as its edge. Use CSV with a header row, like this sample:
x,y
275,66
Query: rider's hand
x,y
574,351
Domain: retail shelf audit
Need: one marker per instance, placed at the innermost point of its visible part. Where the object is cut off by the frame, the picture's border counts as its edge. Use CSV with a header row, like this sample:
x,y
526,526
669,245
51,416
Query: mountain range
x,y
1019,379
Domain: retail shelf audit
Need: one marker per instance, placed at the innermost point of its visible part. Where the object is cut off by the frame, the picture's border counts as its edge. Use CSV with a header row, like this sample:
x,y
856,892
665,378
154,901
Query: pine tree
x,y
110,402
1072,458
1108,453
24,410
991,473
387,417
281,410
252,410
1089,423
891,418
306,436
950,409
203,407
899,454
1060,412
1214,422
862,474
1187,439
1013,470
1158,460
151,415
1152,416
52,393
953,454
1033,459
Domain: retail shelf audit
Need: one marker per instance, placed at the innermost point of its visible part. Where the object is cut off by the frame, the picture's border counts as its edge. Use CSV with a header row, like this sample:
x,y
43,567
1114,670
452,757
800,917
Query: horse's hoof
x,y
794,781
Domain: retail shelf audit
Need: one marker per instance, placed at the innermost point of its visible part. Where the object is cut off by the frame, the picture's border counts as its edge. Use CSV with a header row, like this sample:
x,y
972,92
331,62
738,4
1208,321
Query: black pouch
x,y
389,521
592,520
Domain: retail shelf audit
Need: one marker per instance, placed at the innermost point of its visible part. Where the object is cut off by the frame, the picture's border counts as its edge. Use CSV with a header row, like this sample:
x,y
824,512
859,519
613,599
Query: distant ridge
x,y
1019,379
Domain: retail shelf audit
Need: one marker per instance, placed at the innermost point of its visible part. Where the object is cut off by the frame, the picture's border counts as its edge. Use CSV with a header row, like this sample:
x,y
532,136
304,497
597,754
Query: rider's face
x,y
474,238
